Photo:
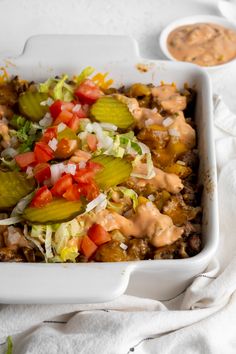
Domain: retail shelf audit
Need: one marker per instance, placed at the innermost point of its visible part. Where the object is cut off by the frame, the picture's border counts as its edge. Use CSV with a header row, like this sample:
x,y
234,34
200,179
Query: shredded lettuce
x,y
130,193
63,91
39,231
44,87
69,254
9,345
58,88
26,133
83,75
48,242
61,238
65,231
63,234
150,167
17,121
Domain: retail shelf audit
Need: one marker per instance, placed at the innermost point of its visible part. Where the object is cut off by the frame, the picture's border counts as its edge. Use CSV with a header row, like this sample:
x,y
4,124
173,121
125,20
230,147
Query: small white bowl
x,y
191,20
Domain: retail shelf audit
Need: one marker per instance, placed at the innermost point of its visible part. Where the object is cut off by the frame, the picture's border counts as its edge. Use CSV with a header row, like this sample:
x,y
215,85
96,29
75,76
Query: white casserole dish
x,y
45,56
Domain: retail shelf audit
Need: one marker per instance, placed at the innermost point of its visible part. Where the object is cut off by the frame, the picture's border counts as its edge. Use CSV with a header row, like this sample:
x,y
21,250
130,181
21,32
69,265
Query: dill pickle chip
x,y
111,110
68,134
30,105
58,210
14,186
115,171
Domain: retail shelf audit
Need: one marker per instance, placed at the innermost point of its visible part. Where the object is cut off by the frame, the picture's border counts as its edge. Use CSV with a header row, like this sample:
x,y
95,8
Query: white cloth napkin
x,y
202,320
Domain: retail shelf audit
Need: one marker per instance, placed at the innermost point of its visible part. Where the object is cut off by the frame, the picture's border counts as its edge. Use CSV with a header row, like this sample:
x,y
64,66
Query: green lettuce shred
x,y
26,132
58,89
9,345
84,75
69,254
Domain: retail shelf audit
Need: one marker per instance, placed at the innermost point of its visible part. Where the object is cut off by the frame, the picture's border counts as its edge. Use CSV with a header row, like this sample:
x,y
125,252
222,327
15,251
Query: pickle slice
x,y
30,105
115,171
59,210
14,186
110,110
68,134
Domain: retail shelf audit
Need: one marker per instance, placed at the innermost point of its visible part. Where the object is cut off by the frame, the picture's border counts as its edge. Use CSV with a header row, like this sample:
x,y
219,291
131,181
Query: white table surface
x,y
142,19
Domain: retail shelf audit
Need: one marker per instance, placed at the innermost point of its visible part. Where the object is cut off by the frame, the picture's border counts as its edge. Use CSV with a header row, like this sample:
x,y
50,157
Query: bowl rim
x,y
191,20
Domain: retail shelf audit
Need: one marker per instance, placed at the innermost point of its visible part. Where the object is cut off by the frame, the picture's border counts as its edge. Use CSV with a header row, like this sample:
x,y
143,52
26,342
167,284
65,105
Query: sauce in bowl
x,y
205,44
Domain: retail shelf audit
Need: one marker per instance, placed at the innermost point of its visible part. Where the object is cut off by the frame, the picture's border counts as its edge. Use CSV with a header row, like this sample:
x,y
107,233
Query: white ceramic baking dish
x,y
45,56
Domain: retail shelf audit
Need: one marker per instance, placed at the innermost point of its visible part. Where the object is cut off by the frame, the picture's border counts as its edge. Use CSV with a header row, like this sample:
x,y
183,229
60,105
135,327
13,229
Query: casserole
x,y
96,282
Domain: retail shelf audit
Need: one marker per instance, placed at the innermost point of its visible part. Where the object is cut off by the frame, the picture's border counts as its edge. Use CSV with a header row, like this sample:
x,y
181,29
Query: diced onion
x,y
76,108
46,121
168,121
29,171
70,168
149,205
61,127
82,164
123,246
174,132
56,171
53,144
148,122
182,163
48,102
151,197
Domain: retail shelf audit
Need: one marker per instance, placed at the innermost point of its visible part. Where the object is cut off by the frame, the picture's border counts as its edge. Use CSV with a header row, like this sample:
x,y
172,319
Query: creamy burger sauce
x,y
162,180
205,44
147,221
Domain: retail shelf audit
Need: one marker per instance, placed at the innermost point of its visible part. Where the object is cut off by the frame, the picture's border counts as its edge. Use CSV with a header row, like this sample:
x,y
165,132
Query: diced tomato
x,y
43,153
94,166
58,106
89,190
86,175
88,247
49,134
42,197
25,159
74,123
83,176
98,234
87,92
72,193
83,111
63,117
42,172
92,142
61,186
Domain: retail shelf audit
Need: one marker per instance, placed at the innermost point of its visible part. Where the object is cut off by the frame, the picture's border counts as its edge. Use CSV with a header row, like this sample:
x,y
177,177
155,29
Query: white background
x,y
142,19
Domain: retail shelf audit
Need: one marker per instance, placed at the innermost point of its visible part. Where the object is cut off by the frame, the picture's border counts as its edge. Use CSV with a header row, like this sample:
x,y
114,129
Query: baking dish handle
x,y
85,48
64,283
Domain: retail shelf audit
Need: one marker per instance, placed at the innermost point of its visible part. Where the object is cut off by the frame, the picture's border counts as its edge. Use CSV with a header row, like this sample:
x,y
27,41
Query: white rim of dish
x,y
191,20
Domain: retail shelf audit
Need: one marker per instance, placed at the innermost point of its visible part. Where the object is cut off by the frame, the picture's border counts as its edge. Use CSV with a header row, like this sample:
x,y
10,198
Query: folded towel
x,y
202,320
